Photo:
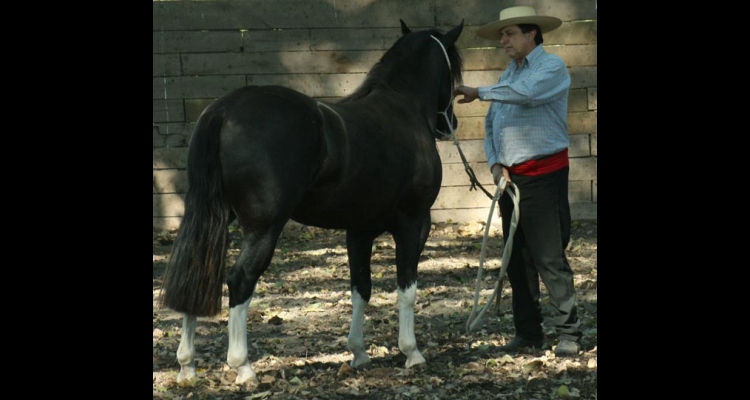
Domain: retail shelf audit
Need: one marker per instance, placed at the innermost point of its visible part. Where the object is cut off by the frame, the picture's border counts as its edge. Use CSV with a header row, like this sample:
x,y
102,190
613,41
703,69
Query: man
x,y
527,143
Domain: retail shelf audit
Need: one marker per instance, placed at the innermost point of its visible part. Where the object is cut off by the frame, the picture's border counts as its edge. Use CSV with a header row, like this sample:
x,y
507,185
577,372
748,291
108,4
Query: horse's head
x,y
449,61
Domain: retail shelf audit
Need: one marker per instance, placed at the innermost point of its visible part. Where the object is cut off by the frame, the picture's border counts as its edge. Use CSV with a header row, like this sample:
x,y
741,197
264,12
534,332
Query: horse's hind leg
x,y
410,239
237,352
359,251
186,350
255,256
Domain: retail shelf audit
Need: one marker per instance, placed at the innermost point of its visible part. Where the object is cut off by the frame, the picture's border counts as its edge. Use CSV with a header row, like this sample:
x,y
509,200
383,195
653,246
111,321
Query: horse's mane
x,y
398,57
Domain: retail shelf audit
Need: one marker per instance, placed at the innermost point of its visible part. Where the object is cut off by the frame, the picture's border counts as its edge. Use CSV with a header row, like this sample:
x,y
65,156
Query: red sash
x,y
542,166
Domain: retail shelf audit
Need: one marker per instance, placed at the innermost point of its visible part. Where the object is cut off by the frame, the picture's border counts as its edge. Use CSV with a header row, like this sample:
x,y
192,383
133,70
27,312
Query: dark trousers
x,y
539,243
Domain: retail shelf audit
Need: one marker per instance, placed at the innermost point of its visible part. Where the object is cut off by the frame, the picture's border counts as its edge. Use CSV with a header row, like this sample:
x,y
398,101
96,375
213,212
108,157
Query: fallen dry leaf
x,y
532,366
344,370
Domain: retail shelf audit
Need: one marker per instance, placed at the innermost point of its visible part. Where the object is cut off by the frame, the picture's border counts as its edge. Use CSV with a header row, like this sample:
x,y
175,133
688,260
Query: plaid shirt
x,y
528,116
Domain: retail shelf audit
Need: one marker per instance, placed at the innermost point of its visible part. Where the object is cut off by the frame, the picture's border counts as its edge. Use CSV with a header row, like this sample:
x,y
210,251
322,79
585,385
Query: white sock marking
x,y
356,341
407,342
186,350
237,331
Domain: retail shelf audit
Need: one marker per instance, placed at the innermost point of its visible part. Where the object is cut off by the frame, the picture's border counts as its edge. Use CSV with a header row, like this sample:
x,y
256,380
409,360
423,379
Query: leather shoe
x,y
519,342
567,348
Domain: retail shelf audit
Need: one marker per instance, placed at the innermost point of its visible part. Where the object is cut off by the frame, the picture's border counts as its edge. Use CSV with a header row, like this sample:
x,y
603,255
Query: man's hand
x,y
470,94
498,171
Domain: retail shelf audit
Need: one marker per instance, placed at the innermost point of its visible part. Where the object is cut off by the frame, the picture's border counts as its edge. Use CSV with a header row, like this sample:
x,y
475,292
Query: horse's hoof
x,y
416,361
245,374
418,367
360,359
360,363
186,375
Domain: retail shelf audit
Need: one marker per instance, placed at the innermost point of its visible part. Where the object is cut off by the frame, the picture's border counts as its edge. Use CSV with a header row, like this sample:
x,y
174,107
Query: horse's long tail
x,y
195,274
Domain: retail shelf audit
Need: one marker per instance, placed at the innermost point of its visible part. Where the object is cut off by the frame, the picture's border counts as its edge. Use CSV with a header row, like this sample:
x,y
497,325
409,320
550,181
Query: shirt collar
x,y
533,56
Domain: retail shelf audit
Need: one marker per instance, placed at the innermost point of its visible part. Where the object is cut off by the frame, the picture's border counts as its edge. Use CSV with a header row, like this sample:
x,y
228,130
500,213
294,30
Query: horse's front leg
x,y
410,240
407,341
359,251
186,350
356,340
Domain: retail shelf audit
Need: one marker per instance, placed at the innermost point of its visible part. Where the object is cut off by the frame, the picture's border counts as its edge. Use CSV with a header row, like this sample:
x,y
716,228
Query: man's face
x,y
517,44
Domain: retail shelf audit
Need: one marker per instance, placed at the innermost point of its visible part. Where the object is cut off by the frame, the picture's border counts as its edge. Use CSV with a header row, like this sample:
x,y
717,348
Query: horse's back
x,y
252,104
267,124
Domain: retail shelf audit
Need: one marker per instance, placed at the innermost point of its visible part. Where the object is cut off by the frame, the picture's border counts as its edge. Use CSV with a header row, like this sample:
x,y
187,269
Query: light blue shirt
x,y
528,114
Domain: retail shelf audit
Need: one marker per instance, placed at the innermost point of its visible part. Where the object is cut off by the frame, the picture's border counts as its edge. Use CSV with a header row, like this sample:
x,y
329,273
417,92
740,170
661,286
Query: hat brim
x,y
492,30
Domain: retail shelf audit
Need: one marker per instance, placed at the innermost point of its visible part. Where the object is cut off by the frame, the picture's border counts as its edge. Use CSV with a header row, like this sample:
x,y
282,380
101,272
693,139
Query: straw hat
x,y
516,16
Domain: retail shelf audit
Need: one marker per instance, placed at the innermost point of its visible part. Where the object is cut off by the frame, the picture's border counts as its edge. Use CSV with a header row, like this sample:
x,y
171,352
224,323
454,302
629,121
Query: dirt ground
x,y
299,321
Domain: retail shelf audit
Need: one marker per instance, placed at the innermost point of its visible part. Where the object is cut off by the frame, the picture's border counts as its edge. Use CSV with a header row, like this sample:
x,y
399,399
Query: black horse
x,y
369,164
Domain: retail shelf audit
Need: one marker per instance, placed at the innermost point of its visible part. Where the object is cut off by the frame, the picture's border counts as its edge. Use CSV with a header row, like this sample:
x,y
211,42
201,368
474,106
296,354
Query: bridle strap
x,y
445,112
449,122
445,52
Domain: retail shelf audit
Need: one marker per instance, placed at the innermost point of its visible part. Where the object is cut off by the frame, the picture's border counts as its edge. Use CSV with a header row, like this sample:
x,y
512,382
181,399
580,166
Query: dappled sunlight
x,y
300,315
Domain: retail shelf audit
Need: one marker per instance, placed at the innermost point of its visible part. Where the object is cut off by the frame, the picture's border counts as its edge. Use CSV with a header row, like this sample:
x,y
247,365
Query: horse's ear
x,y
453,34
404,29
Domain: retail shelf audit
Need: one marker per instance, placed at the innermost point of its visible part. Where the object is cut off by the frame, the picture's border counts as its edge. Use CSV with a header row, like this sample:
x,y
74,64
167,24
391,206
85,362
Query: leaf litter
x,y
299,320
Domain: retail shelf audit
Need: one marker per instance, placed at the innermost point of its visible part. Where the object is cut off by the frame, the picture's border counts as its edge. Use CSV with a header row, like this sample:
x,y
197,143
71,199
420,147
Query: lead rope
x,y
475,317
